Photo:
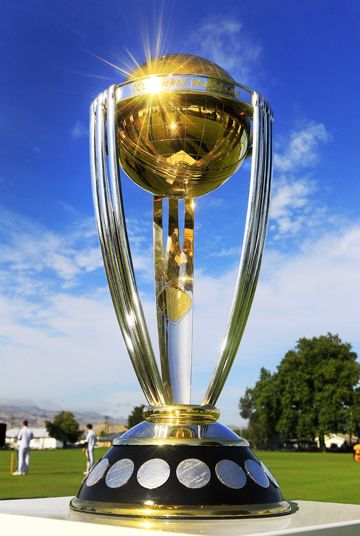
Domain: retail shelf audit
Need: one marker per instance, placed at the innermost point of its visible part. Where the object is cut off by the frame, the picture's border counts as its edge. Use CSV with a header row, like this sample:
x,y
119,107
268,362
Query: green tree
x,y
64,427
313,393
354,414
135,416
260,405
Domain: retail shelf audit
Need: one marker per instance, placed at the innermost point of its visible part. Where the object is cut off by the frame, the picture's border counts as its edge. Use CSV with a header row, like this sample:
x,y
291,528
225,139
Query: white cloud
x,y
51,330
61,356
293,205
70,351
31,252
309,293
312,292
75,344
34,259
303,148
226,42
79,130
290,195
294,208
225,252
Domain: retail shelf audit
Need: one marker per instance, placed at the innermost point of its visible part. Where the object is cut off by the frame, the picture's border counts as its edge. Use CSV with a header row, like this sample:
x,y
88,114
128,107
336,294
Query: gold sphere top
x,y
180,64
179,135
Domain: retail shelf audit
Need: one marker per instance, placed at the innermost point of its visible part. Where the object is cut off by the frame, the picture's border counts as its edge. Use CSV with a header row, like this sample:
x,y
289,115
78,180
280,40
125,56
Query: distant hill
x,y
12,415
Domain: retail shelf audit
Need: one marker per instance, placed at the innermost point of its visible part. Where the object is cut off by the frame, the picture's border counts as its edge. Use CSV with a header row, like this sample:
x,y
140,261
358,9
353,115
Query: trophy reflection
x,y
179,127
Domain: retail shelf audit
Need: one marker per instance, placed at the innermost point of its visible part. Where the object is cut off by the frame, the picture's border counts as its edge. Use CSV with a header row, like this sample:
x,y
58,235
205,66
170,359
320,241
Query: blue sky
x,y
59,342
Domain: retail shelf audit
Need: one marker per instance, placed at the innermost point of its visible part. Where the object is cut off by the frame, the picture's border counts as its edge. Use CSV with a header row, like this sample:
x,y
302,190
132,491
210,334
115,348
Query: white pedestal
x,y
52,516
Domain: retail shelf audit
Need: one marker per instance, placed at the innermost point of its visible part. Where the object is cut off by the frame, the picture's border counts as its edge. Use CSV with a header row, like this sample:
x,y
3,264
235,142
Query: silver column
x,y
115,248
253,245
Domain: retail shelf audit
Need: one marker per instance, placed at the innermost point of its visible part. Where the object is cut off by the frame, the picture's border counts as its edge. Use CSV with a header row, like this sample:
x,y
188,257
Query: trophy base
x,y
220,511
187,471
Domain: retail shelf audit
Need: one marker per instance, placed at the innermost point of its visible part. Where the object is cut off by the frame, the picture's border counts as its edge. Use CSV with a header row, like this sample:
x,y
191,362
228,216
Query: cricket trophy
x,y
179,127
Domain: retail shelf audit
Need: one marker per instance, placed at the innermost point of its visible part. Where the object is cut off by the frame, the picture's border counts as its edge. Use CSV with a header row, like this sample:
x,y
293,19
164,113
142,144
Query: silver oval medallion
x,y
119,473
193,473
97,472
255,471
153,473
230,474
270,475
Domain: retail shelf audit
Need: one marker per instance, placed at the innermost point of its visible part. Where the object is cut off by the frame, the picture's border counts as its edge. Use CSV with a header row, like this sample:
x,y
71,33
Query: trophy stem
x,y
174,276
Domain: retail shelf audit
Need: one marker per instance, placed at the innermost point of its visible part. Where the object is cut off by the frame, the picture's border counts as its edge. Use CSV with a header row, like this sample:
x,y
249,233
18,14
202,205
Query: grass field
x,y
307,476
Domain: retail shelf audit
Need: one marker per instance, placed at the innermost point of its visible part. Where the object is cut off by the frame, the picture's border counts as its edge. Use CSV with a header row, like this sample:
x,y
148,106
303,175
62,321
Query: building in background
x,y
336,442
40,441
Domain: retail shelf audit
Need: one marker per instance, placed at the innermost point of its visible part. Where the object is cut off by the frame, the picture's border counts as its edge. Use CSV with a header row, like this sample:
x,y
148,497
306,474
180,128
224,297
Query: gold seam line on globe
x,y
182,129
190,82
176,70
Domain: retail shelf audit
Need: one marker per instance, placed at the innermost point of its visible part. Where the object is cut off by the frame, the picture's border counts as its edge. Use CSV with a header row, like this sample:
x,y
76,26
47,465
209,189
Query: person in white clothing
x,y
90,446
24,437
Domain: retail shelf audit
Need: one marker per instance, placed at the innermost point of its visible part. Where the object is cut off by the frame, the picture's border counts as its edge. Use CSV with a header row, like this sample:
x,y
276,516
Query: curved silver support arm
x,y
115,248
253,245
